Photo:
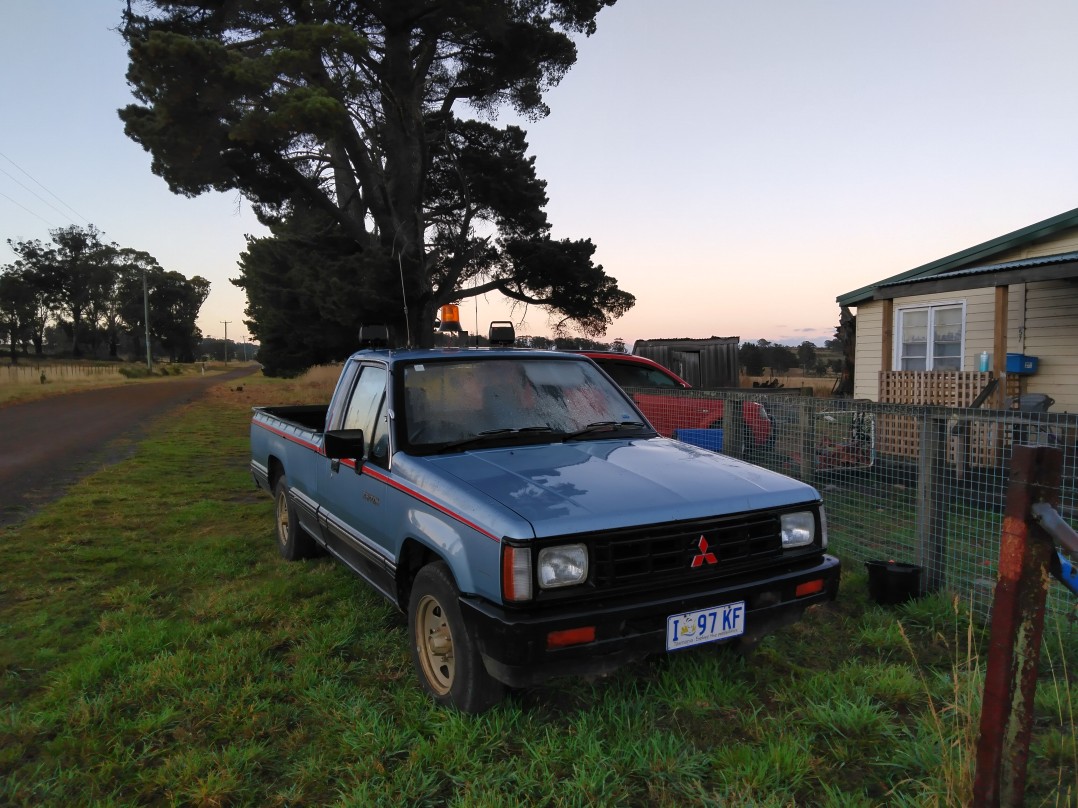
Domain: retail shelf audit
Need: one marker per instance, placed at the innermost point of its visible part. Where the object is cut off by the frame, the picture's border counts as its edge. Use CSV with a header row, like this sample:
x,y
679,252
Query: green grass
x,y
155,650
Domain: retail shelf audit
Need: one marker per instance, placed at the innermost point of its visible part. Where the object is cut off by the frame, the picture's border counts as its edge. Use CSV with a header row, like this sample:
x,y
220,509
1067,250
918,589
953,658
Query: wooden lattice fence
x,y
900,435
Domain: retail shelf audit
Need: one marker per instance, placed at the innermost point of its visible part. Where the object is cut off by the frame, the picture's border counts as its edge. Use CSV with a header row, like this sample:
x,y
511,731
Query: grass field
x,y
155,650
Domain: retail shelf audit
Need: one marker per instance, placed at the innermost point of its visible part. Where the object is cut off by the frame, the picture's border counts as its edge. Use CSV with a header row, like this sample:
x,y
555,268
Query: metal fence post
x,y
932,511
731,427
1017,628
806,412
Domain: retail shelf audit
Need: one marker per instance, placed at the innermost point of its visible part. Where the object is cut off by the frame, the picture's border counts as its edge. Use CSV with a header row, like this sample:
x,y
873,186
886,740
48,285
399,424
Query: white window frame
x,y
931,308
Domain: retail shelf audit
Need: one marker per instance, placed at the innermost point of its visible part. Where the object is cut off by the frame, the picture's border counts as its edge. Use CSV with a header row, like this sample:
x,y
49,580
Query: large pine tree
x,y
343,117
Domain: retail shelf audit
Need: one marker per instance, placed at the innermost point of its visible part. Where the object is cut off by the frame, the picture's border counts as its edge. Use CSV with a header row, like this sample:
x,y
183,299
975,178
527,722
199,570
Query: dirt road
x,y
47,445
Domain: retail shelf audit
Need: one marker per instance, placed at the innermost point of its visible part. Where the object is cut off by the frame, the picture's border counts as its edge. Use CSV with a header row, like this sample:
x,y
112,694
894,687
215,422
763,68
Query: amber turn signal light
x,y
571,636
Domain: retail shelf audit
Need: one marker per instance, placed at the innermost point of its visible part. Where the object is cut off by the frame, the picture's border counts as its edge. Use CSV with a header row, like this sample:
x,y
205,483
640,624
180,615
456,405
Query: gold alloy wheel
x,y
434,639
282,516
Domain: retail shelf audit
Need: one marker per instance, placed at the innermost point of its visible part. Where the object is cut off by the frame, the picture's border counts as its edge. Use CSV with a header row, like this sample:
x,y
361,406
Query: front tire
x,y
445,655
293,543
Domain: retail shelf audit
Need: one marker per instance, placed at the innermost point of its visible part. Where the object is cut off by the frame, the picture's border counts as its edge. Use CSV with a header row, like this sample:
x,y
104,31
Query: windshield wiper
x,y
601,427
488,435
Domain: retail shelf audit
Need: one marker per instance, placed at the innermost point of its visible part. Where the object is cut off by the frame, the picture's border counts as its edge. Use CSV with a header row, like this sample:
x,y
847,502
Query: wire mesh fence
x,y
919,485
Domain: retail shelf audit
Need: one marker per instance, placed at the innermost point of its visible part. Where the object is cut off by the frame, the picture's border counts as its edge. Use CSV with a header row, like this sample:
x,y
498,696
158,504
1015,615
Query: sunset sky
x,y
737,164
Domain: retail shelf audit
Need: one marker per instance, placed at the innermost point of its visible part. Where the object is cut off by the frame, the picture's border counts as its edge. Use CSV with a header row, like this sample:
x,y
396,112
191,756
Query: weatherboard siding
x,y
1066,241
1051,334
867,351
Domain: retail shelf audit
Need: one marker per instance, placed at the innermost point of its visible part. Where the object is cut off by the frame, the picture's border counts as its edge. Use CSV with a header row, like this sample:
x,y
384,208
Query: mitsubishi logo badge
x,y
704,557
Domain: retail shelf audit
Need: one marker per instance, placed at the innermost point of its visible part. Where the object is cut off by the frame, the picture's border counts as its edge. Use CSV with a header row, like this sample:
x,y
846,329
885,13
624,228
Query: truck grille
x,y
666,553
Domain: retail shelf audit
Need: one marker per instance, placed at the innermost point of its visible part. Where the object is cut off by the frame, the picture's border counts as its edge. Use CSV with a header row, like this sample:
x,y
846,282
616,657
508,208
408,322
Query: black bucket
x,y
891,582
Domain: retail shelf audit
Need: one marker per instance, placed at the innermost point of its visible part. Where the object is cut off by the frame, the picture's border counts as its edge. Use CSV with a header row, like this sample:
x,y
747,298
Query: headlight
x,y
798,529
564,565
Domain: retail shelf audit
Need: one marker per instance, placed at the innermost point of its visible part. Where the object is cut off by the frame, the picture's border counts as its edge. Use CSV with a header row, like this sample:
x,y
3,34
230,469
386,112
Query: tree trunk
x,y
76,319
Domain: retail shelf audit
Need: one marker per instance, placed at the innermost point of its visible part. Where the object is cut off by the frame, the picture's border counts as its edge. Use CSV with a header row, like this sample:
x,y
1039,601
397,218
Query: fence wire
x,y
918,485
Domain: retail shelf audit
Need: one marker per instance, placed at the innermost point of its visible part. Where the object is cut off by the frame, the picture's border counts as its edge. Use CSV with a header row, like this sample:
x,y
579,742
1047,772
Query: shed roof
x,y
957,267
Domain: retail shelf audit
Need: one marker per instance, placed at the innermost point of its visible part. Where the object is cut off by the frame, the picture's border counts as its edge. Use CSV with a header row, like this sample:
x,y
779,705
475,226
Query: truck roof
x,y
398,355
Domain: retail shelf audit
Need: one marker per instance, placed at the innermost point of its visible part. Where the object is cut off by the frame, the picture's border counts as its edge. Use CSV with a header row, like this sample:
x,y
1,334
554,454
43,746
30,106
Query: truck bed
x,y
307,416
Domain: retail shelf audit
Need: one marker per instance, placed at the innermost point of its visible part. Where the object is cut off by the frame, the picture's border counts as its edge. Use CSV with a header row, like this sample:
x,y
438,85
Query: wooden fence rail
x,y
31,374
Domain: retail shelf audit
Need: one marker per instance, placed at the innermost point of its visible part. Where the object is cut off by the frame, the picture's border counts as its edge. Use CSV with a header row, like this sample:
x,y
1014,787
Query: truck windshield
x,y
452,402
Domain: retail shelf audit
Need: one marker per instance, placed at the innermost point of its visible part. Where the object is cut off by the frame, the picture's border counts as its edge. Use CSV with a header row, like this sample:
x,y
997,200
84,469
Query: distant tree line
x,y
570,344
77,294
755,357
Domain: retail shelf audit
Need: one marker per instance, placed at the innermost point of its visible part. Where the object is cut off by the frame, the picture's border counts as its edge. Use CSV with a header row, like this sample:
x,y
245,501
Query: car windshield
x,y
466,400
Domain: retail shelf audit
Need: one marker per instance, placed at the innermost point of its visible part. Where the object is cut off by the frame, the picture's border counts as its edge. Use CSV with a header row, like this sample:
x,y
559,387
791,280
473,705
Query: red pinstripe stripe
x,y
427,501
383,478
314,447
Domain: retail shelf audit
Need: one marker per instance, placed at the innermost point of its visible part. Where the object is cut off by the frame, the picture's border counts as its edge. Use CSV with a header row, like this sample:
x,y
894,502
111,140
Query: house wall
x,y
1049,320
980,313
1065,241
1042,321
867,362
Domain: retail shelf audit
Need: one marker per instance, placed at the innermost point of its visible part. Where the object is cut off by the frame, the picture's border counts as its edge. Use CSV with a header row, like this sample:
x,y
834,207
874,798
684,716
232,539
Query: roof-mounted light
x,y
449,317
373,336
502,333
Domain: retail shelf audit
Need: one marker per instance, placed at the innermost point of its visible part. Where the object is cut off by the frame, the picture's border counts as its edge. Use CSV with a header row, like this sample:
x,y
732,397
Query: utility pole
x,y
226,322
146,317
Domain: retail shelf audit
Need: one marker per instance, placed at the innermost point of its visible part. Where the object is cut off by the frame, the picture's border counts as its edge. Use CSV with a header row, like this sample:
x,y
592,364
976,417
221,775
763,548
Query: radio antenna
x,y
404,297
404,294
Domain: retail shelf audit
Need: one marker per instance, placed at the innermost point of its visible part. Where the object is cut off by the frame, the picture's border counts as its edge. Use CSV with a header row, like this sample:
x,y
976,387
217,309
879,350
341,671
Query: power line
x,y
31,190
42,186
13,202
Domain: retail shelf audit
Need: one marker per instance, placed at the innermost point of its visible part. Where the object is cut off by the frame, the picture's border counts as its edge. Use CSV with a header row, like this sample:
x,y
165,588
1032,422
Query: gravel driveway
x,y
48,444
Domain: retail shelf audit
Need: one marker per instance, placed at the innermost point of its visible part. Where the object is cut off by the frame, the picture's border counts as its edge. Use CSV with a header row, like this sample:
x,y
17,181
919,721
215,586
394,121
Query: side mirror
x,y
344,444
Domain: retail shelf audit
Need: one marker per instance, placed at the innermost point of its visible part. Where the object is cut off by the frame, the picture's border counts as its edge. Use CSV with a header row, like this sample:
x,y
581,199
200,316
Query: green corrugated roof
x,y
968,257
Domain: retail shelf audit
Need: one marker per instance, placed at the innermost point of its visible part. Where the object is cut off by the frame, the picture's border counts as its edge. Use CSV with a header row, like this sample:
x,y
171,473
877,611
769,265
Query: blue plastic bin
x,y
704,438
1021,364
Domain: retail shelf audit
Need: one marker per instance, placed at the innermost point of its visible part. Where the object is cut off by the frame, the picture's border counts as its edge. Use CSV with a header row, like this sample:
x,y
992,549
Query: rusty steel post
x,y
1017,628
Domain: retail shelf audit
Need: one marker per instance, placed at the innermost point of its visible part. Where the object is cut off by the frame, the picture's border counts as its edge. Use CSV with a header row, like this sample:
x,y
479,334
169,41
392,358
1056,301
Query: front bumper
x,y
513,642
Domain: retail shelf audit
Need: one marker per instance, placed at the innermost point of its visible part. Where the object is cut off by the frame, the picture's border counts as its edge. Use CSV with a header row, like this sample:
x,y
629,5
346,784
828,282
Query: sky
x,y
738,164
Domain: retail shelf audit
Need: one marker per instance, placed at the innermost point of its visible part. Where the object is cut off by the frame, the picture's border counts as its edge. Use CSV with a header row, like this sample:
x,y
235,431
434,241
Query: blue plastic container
x,y
704,438
1021,364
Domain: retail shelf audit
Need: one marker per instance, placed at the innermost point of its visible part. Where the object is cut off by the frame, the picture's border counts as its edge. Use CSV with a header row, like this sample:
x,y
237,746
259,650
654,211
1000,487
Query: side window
x,y
366,410
627,374
624,374
335,414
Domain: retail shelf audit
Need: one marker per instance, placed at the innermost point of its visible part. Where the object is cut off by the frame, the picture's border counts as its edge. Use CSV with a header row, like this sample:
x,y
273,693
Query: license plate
x,y
705,625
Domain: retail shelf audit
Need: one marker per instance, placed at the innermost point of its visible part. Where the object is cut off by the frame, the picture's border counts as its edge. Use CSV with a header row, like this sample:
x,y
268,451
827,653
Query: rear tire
x,y
293,542
445,655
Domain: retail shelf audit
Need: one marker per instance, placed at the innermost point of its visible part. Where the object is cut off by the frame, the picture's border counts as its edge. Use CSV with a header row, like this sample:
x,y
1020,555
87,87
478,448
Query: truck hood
x,y
590,485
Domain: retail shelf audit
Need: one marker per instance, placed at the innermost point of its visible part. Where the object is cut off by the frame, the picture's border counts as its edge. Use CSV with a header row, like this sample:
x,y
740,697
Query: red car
x,y
657,391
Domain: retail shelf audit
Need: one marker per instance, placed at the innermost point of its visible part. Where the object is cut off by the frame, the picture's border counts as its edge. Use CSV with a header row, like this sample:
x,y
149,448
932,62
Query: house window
x,y
930,337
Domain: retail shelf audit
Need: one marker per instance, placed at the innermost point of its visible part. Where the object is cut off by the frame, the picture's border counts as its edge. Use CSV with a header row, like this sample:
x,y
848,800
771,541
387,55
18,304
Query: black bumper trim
x,y
514,642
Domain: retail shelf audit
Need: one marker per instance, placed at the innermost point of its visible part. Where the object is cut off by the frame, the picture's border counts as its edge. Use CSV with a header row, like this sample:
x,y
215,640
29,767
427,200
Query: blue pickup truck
x,y
529,521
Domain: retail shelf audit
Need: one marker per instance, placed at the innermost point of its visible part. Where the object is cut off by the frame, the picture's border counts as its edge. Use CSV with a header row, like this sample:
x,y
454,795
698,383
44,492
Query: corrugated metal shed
x,y
704,363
